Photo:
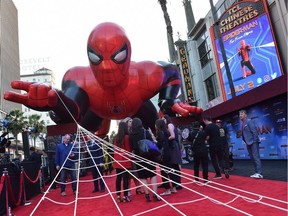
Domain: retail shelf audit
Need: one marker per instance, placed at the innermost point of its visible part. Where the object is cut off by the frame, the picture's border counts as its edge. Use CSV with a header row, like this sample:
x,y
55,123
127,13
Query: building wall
x,y
43,78
266,103
9,52
197,79
278,15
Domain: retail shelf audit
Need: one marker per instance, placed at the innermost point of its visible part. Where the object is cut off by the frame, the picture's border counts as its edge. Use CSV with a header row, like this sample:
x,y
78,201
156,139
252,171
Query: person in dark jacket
x,y
36,156
96,163
225,163
198,146
215,147
133,171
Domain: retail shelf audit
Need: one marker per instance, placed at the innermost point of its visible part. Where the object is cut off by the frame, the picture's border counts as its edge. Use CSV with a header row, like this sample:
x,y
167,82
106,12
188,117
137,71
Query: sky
x,y
54,33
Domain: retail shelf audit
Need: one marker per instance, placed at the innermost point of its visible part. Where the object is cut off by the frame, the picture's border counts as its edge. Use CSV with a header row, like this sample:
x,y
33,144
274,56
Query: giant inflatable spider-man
x,y
111,87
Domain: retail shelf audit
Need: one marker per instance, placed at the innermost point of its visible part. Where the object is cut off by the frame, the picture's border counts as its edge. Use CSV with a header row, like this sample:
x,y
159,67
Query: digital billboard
x,y
250,48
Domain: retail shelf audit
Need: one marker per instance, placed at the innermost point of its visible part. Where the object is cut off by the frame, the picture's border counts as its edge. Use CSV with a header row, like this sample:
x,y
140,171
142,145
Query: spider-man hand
x,y
184,109
39,96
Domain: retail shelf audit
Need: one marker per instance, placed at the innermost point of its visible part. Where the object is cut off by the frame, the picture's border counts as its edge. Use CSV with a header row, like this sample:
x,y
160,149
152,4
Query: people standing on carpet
x,y
122,161
250,137
198,146
96,164
108,152
161,139
181,146
225,163
36,155
215,148
65,162
182,150
133,169
145,169
175,153
128,121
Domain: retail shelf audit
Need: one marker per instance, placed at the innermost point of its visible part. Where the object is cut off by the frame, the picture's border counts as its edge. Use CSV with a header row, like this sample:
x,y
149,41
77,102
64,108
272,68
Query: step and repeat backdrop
x,y
271,120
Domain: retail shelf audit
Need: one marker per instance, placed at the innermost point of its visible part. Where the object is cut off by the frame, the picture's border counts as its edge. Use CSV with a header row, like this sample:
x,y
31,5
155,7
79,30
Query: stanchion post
x,y
5,172
23,186
42,179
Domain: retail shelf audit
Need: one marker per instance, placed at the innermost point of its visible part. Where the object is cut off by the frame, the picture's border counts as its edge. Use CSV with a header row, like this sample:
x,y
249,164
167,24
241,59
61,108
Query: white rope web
x,y
81,146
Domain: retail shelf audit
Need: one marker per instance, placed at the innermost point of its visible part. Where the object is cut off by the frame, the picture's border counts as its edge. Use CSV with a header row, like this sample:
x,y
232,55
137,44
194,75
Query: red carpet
x,y
188,201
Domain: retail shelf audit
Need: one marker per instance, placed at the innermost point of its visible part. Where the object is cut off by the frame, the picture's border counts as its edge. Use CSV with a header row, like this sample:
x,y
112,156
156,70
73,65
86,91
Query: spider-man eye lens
x,y
121,55
93,57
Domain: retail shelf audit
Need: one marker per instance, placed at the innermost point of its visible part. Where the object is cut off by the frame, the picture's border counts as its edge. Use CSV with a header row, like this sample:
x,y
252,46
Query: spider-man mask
x,y
109,53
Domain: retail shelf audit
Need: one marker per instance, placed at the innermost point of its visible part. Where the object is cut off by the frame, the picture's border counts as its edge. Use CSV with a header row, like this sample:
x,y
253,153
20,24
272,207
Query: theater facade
x,y
237,59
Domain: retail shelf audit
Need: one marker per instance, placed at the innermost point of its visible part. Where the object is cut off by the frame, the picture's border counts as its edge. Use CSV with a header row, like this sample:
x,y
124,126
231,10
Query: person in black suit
x,y
198,146
36,155
215,148
225,163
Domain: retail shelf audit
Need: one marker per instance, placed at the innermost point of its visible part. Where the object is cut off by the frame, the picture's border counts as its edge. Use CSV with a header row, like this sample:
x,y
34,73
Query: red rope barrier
x,y
2,183
11,191
33,181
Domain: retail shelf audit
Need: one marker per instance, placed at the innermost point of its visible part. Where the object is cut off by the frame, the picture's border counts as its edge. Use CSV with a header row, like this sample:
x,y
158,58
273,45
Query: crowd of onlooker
x,y
209,141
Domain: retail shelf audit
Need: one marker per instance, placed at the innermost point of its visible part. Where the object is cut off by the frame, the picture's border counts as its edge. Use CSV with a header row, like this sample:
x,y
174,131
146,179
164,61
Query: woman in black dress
x,y
136,134
175,154
162,135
